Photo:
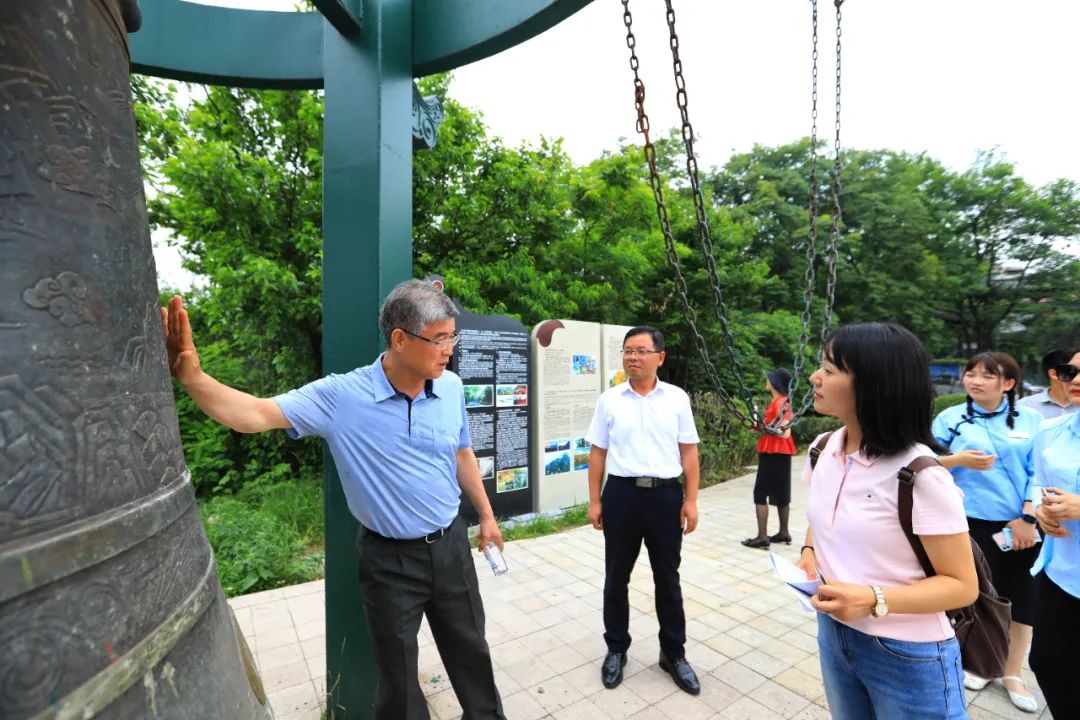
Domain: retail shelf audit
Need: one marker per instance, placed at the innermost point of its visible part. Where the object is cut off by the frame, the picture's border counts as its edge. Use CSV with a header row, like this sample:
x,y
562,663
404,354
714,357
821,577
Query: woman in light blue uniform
x,y
989,441
1057,623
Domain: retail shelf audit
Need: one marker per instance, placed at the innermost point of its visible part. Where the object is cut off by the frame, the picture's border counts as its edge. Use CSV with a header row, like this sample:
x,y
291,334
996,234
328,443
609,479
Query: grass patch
x,y
568,519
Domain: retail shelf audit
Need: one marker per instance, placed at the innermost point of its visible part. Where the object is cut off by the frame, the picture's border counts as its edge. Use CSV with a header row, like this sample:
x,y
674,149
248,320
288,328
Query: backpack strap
x,y
816,448
906,503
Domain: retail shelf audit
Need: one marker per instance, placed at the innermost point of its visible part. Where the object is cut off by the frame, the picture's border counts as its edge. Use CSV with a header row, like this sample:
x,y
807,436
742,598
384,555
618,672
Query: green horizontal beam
x,y
344,15
447,35
225,46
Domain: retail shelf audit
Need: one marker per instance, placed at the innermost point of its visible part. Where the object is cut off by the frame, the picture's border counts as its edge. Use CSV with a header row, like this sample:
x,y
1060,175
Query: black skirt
x,y
773,483
1010,571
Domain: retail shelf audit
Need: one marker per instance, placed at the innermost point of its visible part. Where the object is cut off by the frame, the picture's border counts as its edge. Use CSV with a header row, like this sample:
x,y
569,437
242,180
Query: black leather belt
x,y
647,482
426,540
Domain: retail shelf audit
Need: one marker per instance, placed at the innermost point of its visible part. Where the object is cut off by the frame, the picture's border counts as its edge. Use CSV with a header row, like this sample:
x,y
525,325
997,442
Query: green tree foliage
x,y
968,261
237,180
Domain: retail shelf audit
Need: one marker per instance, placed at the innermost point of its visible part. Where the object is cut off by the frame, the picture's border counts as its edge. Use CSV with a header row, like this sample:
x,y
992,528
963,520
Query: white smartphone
x,y
1003,541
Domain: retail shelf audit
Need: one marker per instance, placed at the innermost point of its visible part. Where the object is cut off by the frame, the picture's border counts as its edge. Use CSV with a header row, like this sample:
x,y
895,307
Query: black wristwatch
x,y
1028,518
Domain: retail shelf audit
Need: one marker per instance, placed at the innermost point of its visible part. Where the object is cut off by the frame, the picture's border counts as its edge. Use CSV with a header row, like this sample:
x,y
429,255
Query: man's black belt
x,y
647,482
426,540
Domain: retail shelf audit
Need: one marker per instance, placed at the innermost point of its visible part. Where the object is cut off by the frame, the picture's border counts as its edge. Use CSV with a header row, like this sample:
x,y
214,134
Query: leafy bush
x,y
810,426
727,445
254,550
298,504
942,402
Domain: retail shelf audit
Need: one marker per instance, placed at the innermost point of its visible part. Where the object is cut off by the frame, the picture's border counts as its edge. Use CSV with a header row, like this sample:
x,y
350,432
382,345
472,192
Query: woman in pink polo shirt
x,y
887,649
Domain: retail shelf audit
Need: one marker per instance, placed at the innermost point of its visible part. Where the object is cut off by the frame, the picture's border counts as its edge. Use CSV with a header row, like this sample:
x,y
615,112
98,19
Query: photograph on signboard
x,y
512,479
616,377
584,365
504,395
581,459
479,395
521,394
487,467
557,463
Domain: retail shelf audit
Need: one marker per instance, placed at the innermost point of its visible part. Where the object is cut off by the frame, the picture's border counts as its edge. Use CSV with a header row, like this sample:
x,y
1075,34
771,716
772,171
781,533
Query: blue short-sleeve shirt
x,y
397,458
1057,464
998,493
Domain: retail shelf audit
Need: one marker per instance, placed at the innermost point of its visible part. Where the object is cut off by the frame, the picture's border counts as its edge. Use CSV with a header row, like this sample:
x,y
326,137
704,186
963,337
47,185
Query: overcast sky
x,y
945,77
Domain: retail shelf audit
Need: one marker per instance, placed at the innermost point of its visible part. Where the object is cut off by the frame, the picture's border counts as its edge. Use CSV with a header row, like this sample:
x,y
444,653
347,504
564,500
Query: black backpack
x,y
982,628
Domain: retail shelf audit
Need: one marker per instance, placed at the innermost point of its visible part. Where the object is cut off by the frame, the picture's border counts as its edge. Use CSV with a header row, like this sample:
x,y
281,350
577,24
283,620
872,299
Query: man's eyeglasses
x,y
1066,372
442,343
638,353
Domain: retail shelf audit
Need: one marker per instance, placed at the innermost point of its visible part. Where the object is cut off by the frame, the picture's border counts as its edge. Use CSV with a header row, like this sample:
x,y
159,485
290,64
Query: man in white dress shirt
x,y
643,435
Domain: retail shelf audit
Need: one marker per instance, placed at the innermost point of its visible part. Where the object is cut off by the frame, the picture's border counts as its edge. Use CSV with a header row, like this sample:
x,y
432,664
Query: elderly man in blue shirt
x,y
398,433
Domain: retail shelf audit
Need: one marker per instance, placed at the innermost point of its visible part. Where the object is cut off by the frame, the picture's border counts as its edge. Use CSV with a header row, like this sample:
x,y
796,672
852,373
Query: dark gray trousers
x,y
400,582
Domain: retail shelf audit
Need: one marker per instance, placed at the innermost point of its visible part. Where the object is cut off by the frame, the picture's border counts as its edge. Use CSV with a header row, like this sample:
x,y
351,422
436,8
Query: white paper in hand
x,y
795,578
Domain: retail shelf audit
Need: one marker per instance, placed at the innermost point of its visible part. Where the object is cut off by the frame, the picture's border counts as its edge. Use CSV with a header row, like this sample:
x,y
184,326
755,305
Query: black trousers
x,y
400,582
631,515
1053,655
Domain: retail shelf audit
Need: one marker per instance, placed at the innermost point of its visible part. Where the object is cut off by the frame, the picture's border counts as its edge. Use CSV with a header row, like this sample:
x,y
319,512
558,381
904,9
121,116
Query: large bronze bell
x,y
109,602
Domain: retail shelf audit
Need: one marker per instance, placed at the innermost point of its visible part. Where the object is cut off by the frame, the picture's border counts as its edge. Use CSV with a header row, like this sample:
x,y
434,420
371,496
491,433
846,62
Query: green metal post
x,y
367,249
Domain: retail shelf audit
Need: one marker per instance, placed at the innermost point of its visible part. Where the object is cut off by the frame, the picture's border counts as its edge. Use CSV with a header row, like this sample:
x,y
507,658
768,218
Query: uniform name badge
x,y
1019,435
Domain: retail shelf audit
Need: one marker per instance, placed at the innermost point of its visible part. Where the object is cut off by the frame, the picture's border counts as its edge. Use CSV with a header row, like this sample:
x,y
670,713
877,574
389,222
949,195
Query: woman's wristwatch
x,y
1028,518
880,609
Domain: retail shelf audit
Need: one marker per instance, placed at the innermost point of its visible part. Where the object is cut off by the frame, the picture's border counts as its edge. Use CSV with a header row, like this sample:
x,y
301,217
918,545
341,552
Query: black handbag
x,y
982,628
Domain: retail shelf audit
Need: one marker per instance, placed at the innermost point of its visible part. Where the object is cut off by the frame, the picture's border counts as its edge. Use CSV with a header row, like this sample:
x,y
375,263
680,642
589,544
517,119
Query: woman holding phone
x,y
1057,571
989,441
887,649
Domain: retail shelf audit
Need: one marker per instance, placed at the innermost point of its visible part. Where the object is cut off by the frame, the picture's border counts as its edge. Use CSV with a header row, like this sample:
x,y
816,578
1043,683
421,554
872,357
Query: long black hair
x,y
1000,365
890,372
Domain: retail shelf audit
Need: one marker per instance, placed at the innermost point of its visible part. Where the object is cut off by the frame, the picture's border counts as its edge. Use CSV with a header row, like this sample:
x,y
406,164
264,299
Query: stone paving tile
x,y
294,700
618,703
580,710
523,706
555,693
739,676
754,651
285,676
746,708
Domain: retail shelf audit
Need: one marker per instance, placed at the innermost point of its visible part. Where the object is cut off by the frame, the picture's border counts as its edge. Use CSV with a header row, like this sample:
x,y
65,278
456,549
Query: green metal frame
x,y
365,54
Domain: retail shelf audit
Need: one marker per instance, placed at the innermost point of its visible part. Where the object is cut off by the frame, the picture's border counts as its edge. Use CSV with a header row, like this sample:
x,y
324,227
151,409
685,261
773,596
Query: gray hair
x,y
412,306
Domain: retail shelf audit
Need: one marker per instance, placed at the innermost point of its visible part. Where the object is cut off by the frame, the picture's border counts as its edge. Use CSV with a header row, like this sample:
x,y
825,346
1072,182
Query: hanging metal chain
x,y
837,188
704,235
752,417
665,227
834,226
811,241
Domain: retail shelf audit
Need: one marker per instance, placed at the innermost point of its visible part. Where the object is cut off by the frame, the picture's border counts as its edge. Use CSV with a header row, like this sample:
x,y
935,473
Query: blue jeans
x,y
876,678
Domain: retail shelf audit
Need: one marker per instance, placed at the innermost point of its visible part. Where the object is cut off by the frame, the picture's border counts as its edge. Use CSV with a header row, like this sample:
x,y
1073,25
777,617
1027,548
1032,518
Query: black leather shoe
x,y
754,542
778,538
611,670
681,673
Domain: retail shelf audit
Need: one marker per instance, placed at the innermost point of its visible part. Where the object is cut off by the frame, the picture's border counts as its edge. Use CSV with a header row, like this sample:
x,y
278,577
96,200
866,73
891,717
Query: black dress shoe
x,y
778,538
611,670
762,543
681,673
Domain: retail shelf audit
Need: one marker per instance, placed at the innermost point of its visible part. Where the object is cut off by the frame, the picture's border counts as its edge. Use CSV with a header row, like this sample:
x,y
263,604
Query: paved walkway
x,y
755,652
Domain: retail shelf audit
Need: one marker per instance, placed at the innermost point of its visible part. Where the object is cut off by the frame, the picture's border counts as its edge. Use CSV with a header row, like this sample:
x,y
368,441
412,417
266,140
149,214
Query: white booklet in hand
x,y
795,578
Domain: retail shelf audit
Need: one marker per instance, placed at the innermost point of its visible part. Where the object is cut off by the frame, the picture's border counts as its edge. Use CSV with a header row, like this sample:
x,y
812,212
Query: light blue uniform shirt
x,y
998,493
1057,464
1041,403
397,460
